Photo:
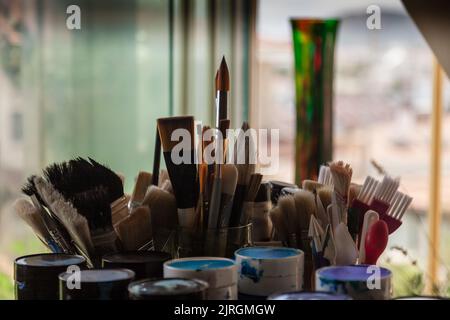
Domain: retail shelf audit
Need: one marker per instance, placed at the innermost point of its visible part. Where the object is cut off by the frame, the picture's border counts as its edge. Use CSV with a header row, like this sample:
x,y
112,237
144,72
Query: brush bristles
x,y
143,181
286,204
135,231
28,213
386,189
163,207
342,176
222,80
353,192
324,194
399,204
95,206
311,185
325,178
166,126
306,207
79,175
368,190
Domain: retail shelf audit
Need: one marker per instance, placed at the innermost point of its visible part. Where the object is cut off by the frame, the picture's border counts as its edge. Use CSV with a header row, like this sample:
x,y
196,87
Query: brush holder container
x,y
223,242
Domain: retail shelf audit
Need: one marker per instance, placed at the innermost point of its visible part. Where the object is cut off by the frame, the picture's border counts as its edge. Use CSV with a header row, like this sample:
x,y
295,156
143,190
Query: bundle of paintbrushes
x,y
212,192
336,222
80,207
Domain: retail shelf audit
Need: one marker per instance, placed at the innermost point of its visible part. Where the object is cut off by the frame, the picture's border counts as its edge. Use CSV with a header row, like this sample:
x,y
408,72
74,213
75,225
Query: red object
x,y
376,241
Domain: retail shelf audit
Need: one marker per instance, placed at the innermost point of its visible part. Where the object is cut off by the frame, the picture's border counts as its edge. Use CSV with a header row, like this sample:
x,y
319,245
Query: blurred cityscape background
x,y
98,91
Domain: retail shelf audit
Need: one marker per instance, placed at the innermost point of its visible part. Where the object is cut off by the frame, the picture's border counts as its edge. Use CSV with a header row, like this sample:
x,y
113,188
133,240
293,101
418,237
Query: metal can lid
x,y
94,276
41,266
307,295
167,288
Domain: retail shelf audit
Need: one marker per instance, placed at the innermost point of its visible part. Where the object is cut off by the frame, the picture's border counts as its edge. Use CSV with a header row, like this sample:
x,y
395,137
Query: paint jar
x,y
263,271
361,282
422,298
261,222
145,264
222,242
36,276
219,273
95,284
307,295
168,289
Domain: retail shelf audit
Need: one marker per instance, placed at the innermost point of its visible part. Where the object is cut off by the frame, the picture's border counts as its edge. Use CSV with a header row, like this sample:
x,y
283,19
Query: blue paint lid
x,y
200,264
268,252
305,295
352,273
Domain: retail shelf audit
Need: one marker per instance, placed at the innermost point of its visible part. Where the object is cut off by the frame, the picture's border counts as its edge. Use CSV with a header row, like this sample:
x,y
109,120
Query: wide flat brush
x,y
29,213
183,176
143,181
75,224
135,230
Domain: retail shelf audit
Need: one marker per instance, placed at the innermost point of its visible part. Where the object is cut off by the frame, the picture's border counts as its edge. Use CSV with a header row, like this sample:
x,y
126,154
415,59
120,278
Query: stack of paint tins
x,y
36,276
263,271
219,273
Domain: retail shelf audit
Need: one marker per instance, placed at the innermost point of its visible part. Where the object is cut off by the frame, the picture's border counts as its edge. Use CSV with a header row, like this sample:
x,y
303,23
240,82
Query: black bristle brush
x,y
94,205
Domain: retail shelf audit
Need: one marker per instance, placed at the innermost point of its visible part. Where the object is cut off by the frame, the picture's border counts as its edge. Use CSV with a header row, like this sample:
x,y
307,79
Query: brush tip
x,y
223,77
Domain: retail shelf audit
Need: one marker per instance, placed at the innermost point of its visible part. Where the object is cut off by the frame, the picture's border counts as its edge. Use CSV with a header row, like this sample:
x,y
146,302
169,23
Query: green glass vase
x,y
313,42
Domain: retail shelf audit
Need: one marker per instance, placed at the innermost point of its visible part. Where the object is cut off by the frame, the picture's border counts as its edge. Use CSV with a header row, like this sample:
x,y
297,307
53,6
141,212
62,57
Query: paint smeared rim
x,y
200,264
351,272
268,253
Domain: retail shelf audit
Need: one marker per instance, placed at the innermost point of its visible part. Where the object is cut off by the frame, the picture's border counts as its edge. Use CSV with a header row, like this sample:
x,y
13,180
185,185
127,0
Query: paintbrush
x,y
311,185
286,205
50,220
75,224
95,207
183,173
29,213
325,177
135,230
244,159
342,176
250,195
156,159
143,181
222,86
216,191
305,207
229,182
279,231
163,208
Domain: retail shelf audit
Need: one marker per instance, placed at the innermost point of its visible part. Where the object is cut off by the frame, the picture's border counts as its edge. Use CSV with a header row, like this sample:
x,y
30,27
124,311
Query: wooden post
x,y
435,180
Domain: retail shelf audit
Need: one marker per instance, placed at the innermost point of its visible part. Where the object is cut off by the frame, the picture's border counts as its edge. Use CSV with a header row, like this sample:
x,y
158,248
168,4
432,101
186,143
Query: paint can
x,y
145,264
168,289
308,295
219,273
36,276
95,284
422,298
263,271
361,282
